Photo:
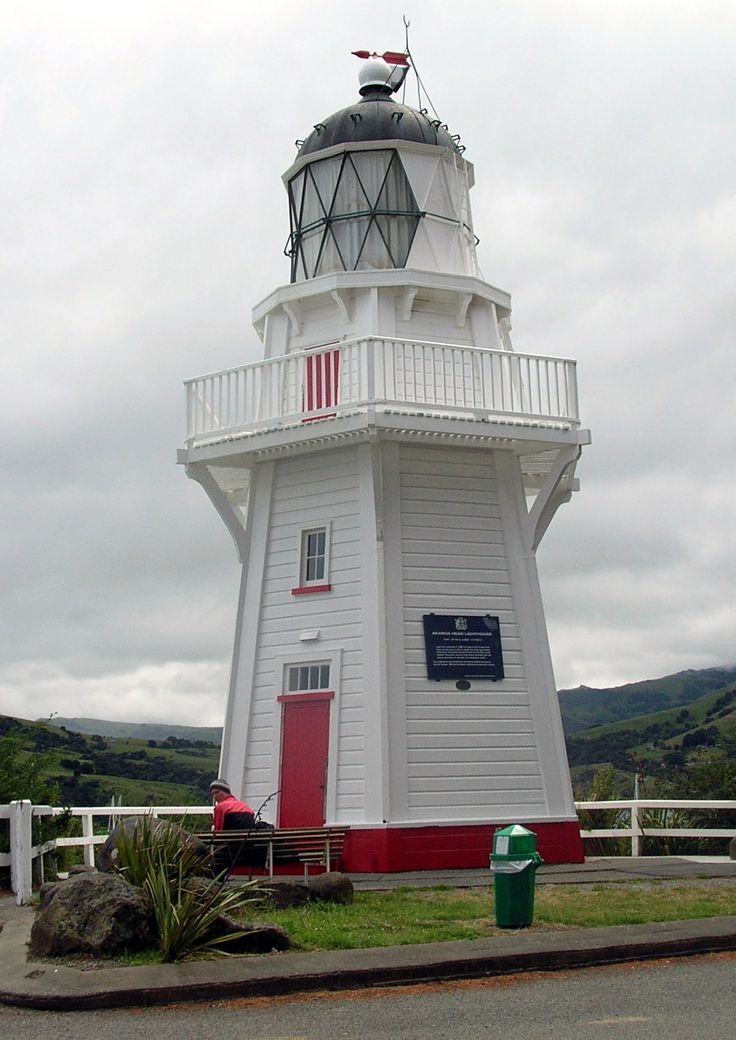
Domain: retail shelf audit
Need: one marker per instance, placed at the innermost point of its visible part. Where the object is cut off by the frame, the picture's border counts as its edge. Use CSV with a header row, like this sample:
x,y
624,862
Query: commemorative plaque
x,y
460,646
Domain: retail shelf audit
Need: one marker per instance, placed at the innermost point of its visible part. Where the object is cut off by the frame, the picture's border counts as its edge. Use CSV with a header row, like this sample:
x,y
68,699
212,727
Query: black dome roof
x,y
376,117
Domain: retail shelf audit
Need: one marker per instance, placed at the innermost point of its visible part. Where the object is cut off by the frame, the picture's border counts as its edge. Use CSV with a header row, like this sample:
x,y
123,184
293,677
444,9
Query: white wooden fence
x,y
656,818
634,820
23,852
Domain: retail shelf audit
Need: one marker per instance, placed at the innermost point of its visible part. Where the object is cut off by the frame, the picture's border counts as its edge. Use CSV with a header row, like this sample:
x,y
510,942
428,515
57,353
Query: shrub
x,y
603,789
186,906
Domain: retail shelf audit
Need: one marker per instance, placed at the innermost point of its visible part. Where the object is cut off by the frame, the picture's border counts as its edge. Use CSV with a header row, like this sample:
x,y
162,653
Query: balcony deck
x,y
391,375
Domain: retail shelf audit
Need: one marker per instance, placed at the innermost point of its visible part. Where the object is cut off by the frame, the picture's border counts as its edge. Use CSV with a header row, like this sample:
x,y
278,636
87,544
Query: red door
x,y
305,734
321,383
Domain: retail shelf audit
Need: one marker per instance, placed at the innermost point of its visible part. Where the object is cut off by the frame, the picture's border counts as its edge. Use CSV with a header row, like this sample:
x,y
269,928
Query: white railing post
x,y
190,412
88,832
573,408
370,346
635,830
21,846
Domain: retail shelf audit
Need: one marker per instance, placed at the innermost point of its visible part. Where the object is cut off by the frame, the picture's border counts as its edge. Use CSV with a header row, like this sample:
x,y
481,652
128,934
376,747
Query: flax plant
x,y
151,844
187,915
157,857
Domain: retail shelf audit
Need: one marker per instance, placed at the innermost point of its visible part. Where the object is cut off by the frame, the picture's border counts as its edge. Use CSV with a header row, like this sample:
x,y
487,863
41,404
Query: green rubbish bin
x,y
514,863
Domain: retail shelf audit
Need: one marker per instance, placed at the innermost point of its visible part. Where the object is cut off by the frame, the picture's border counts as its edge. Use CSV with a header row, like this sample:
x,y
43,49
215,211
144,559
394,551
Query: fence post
x,y
21,845
635,830
88,832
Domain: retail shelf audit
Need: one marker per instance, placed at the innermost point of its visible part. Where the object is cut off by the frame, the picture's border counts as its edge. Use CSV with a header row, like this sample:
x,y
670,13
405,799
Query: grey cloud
x,y
144,149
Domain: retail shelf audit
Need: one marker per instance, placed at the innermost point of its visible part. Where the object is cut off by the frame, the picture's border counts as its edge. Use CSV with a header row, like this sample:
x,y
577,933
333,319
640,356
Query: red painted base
x,y
380,850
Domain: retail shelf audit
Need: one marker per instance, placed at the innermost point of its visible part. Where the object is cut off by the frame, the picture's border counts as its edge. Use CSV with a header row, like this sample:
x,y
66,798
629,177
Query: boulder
x,y
94,914
332,887
108,855
249,938
732,849
282,892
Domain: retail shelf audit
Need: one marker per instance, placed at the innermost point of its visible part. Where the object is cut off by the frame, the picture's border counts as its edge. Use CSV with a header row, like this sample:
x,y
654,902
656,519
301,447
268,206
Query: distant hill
x,y
659,737
587,707
138,730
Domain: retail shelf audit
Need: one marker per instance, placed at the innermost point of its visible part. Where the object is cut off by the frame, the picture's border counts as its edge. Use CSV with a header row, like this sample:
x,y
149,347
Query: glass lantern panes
x,y
351,212
305,678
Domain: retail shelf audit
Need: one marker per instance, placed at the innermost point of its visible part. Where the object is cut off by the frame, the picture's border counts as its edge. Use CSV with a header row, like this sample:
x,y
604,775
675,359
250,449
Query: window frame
x,y
307,585
303,690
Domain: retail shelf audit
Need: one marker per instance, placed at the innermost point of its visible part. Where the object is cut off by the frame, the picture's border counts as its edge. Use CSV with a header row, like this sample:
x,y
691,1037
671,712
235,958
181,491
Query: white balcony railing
x,y
389,373
634,820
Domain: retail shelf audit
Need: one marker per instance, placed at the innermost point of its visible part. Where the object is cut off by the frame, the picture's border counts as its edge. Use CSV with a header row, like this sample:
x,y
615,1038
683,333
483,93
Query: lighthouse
x,y
386,473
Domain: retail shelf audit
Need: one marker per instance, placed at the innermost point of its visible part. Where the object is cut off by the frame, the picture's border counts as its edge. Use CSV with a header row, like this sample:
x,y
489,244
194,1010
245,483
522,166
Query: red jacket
x,y
223,807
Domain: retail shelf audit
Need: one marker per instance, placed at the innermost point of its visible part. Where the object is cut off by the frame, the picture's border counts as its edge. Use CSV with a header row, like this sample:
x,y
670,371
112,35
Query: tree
x,y
22,775
713,777
707,736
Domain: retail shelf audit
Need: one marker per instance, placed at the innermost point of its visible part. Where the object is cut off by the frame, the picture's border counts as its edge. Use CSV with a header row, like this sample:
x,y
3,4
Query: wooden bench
x,y
318,846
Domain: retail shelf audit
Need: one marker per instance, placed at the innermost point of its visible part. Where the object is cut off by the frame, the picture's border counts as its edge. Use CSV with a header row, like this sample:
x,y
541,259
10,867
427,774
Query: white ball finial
x,y
375,72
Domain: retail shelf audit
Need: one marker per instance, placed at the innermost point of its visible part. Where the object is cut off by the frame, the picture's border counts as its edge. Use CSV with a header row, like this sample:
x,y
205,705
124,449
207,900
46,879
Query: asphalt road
x,y
681,999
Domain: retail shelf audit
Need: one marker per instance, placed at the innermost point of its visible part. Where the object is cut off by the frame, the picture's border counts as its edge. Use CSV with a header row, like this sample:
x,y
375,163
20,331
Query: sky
x,y
142,217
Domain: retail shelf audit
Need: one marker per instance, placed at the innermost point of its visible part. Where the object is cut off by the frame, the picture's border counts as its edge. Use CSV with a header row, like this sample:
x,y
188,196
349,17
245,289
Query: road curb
x,y
42,986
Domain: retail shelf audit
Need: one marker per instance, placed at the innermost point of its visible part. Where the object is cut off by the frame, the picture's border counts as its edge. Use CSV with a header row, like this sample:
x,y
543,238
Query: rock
x,y
732,849
282,892
47,892
107,856
81,868
96,914
255,938
332,887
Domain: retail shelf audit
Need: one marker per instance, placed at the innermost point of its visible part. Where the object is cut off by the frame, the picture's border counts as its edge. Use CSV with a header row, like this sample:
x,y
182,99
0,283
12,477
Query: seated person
x,y
225,804
229,813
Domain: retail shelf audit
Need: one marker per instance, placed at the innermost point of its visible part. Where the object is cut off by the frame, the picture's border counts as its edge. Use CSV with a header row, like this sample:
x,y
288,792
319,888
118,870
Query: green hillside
x,y
587,707
92,770
661,741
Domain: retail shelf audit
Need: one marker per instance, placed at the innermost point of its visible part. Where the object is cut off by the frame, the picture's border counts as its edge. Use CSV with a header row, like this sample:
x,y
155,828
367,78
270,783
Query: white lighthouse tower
x,y
387,472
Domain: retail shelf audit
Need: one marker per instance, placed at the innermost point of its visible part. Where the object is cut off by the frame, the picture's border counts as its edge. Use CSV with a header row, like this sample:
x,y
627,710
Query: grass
x,y
408,916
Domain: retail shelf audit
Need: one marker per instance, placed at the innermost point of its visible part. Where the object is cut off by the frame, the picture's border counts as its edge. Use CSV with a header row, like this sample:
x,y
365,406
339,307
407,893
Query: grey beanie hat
x,y
220,785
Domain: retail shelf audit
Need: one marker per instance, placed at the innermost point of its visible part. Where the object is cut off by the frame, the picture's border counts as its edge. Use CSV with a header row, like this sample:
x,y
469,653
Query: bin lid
x,y
514,841
516,862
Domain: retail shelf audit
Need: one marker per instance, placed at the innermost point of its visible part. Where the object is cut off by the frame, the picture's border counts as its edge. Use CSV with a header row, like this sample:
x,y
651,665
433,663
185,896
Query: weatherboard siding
x,y
310,491
434,321
467,753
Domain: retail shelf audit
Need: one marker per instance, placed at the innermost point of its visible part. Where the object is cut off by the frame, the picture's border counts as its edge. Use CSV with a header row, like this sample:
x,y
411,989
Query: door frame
x,y
306,656
322,697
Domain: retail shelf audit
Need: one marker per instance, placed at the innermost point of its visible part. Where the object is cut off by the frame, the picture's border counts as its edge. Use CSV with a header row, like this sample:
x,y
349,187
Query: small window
x,y
314,555
304,678
314,561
